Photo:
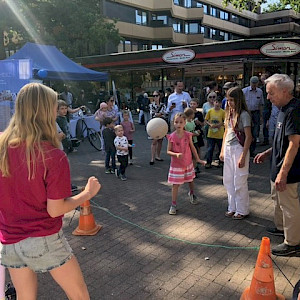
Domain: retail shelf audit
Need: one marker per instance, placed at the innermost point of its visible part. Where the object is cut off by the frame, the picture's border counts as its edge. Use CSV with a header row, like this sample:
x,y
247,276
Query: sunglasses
x,y
211,96
155,95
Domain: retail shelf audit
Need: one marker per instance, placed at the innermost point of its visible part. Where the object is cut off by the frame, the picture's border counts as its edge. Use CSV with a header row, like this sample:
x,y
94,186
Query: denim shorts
x,y
40,254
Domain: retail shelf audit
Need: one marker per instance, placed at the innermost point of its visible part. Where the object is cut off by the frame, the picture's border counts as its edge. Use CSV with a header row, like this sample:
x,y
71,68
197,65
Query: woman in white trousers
x,y
235,154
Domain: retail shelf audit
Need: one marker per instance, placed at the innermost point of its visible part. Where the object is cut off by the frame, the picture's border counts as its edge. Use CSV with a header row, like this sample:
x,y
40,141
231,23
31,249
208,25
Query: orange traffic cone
x,y
262,285
87,225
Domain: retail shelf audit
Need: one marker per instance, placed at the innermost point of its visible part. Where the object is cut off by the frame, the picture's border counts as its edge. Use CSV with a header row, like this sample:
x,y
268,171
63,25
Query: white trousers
x,y
235,180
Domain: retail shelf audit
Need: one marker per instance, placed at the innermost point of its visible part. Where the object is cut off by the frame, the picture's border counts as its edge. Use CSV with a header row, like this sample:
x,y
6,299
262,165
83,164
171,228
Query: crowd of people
x,y
41,188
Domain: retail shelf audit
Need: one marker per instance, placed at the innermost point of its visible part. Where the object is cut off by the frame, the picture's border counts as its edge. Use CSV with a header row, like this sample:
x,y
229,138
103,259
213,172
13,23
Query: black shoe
x,y
151,163
286,250
275,231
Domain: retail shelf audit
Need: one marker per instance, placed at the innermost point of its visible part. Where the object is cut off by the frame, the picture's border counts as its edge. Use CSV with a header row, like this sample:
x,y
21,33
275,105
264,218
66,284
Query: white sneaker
x,y
130,161
193,199
172,210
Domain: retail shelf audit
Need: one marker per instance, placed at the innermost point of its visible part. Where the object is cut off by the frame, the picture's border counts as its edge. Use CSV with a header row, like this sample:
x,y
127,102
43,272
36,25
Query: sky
x,y
268,2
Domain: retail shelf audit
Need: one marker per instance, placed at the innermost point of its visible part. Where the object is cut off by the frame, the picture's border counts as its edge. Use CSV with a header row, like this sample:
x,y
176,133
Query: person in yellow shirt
x,y
215,120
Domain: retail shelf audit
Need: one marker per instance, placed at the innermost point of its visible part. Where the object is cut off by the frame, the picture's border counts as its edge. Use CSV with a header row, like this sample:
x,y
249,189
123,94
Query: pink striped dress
x,y
181,169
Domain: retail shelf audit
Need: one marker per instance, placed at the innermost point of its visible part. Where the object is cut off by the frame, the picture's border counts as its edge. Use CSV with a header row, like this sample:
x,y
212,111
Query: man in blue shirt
x,y
255,101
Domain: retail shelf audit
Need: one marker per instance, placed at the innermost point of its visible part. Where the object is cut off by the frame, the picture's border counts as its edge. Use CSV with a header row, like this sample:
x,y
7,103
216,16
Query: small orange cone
x,y
87,224
262,285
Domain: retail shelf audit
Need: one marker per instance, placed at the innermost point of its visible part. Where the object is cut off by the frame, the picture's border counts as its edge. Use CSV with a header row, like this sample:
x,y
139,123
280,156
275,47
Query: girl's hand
x,y
61,136
221,156
178,155
241,163
202,162
93,186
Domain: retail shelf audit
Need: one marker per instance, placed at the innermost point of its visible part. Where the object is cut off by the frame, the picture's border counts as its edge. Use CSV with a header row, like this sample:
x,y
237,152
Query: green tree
x,y
252,5
76,27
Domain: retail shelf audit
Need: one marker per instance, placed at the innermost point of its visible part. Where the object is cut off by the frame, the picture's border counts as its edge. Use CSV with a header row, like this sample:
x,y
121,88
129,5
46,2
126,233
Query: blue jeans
x,y
110,154
255,128
211,142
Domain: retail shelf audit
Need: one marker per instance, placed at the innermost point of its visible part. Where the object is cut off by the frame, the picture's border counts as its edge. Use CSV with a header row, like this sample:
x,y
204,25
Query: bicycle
x,y
93,136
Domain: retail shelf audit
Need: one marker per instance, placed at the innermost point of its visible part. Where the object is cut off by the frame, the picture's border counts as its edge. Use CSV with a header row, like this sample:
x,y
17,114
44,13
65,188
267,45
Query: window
x,y
140,17
213,11
187,3
163,19
224,15
192,28
177,26
157,47
202,29
224,36
212,33
234,18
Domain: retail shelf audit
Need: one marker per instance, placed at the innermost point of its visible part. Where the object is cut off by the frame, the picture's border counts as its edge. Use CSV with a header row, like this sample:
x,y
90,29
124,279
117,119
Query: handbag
x,y
240,135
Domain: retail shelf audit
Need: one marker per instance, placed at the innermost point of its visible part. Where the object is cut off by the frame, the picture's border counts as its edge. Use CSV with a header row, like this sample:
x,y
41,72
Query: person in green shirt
x,y
215,119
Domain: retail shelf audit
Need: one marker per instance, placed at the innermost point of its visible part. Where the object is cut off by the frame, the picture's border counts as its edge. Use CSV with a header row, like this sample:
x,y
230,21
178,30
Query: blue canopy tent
x,y
48,63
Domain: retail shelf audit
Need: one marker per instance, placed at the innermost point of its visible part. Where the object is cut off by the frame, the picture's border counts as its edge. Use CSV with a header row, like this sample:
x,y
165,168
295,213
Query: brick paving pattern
x,y
141,252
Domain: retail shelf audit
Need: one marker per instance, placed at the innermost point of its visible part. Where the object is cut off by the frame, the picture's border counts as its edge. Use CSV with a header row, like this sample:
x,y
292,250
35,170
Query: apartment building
x,y
157,24
195,41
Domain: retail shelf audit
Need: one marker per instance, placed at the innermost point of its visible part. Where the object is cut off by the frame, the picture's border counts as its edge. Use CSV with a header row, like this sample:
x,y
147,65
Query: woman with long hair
x,y
157,110
235,154
35,192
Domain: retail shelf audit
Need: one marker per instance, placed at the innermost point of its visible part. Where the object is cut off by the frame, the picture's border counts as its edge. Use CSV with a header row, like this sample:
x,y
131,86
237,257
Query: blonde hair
x,y
118,127
32,123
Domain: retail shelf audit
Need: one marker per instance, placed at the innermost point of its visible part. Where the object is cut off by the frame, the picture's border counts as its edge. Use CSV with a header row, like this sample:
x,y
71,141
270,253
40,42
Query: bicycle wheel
x,y
94,139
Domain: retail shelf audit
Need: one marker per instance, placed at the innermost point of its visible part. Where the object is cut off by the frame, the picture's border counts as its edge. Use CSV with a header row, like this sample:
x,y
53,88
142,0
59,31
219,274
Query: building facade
x,y
157,24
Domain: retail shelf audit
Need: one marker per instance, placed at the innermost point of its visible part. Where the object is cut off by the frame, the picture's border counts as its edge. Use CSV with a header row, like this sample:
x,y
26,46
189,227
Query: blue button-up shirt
x,y
254,98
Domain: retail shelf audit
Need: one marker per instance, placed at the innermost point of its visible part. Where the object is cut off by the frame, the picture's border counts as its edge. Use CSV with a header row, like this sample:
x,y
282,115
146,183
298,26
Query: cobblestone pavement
x,y
144,253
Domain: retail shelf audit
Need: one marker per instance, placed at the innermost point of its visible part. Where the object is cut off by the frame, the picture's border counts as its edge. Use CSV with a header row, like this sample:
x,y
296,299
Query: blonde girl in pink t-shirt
x,y
181,148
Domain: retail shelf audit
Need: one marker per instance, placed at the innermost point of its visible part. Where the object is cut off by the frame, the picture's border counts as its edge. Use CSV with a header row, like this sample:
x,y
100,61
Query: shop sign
x,y
178,56
280,49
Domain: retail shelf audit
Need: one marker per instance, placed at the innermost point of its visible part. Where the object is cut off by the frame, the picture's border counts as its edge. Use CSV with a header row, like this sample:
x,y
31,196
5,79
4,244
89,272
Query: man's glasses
x,y
155,95
211,96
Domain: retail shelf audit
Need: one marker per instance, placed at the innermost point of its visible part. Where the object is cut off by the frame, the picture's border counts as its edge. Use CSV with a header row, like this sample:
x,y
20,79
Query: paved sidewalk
x,y
144,253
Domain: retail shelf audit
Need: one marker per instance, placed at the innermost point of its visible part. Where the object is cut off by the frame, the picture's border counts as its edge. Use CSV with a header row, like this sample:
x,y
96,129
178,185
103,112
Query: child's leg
x,y
113,160
71,280
191,186
130,148
107,159
158,148
210,149
175,188
2,282
153,149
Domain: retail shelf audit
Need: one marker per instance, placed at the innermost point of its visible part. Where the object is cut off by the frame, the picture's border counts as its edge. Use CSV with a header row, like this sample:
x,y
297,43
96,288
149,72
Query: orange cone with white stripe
x,y
262,285
87,224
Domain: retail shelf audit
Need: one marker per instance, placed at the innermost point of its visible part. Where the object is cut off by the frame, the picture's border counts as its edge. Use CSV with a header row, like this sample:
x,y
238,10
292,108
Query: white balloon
x,y
157,128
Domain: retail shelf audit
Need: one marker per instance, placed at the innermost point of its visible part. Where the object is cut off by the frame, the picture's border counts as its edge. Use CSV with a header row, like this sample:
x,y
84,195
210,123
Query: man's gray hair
x,y
282,81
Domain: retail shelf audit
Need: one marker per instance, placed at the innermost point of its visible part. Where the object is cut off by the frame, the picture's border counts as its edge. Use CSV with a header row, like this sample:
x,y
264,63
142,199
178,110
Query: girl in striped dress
x,y
181,148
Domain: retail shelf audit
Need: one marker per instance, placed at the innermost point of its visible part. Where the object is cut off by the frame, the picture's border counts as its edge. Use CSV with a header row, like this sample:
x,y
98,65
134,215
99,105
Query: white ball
x,y
157,128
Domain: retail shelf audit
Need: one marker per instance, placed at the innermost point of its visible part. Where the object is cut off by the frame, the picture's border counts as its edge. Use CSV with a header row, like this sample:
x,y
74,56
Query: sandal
x,y
239,217
229,214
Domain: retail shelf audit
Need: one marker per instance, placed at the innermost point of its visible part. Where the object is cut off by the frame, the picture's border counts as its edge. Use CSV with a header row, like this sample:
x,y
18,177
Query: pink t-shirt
x,y
181,145
127,126
23,205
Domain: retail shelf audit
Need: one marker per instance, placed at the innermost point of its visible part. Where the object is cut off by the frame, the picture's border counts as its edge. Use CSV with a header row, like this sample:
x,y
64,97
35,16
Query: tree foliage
x,y
253,5
77,27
